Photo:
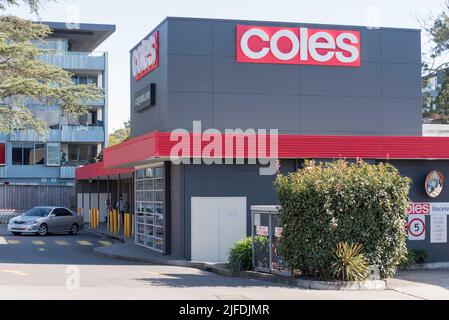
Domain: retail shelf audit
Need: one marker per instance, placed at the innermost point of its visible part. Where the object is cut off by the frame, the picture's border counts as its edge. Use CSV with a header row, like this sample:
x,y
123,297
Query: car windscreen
x,y
38,212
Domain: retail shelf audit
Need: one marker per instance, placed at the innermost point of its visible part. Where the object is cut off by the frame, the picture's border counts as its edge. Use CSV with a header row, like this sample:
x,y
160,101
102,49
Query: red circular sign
x,y
421,232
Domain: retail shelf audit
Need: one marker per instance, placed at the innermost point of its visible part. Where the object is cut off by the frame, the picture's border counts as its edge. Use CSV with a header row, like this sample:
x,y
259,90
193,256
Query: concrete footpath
x,y
420,284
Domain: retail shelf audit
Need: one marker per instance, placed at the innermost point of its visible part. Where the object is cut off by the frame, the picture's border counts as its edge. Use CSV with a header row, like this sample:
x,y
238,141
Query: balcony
x,y
68,172
82,134
76,60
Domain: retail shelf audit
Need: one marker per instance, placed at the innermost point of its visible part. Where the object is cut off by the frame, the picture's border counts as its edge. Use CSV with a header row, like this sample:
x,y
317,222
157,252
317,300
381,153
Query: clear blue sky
x,y
135,18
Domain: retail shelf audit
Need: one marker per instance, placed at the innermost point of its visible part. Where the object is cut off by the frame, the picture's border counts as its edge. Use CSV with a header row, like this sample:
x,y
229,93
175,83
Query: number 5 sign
x,y
416,227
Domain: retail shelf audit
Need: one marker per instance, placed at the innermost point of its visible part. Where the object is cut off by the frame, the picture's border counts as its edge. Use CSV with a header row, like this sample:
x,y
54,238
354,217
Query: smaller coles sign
x,y
145,58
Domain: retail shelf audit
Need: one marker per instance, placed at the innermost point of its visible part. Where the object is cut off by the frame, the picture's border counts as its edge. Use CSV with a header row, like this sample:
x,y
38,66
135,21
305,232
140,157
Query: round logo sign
x,y
434,184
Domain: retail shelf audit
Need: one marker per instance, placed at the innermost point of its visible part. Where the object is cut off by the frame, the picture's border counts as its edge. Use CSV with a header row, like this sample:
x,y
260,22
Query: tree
x,y
25,79
329,206
437,107
120,135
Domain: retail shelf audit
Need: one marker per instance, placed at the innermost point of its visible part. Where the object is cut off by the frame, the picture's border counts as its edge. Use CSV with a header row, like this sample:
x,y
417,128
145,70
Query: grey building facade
x,y
370,108
199,79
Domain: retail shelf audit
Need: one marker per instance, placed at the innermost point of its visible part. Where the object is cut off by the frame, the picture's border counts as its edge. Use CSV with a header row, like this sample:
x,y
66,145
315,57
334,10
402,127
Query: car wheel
x,y
43,230
74,229
16,233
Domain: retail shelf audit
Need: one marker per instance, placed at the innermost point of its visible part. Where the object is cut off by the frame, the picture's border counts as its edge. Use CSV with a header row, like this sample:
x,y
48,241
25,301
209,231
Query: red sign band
x,y
279,45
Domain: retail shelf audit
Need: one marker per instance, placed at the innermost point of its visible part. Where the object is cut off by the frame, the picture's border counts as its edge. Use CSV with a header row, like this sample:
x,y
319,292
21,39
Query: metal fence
x,y
266,232
25,197
8,214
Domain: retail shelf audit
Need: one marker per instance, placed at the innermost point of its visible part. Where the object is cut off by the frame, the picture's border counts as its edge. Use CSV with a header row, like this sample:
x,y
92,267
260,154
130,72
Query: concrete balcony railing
x,y
76,60
33,136
82,134
68,172
66,134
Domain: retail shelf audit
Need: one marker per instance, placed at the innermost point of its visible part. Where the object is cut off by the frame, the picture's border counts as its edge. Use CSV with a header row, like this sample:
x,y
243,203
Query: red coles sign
x,y
306,46
145,58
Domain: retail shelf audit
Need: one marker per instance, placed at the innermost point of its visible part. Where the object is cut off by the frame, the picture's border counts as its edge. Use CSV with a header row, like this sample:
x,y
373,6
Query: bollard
x,y
127,226
114,221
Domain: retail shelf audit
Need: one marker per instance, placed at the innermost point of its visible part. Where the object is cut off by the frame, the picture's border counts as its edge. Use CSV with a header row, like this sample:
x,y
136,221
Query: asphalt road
x,y
65,267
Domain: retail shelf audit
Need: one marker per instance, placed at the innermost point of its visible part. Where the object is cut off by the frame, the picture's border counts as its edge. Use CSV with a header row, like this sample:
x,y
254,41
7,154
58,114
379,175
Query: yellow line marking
x,y
85,243
62,243
14,241
3,241
106,243
39,243
16,272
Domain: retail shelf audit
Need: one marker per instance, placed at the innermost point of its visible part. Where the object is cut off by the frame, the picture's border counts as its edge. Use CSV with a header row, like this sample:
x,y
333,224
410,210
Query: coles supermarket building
x,y
330,91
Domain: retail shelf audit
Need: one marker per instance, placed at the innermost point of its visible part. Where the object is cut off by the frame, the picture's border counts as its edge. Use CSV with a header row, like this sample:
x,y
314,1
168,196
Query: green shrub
x,y
409,260
241,255
421,256
325,204
349,263
261,249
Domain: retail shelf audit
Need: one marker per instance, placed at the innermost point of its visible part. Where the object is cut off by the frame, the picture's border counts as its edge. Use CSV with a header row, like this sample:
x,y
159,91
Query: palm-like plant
x,y
349,262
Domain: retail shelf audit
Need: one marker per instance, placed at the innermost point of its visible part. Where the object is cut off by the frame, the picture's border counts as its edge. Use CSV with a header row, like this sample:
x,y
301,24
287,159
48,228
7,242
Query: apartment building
x,y
41,170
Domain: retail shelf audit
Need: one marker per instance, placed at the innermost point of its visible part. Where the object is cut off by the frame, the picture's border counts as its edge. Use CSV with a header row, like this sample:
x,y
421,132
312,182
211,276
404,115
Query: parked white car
x,y
45,220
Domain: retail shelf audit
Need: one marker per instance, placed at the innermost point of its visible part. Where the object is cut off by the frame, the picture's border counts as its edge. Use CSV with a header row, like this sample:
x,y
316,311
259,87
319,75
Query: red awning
x,y
158,145
96,170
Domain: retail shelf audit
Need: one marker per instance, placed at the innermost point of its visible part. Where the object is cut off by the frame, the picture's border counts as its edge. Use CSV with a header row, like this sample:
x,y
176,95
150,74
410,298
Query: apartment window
x,y
85,79
28,154
82,153
88,119
53,154
50,115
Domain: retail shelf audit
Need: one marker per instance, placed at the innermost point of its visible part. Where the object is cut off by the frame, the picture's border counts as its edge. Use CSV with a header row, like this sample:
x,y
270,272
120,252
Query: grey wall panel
x,y
189,37
401,80
417,171
228,181
409,123
370,46
257,111
401,46
230,76
365,81
190,73
197,105
176,212
224,32
336,115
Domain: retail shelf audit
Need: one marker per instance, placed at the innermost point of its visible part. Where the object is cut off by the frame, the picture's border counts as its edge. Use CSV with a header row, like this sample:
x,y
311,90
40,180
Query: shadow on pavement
x,y
212,280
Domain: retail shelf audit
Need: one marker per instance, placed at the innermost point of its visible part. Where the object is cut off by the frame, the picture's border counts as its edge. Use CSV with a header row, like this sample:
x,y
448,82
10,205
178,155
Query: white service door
x,y
216,224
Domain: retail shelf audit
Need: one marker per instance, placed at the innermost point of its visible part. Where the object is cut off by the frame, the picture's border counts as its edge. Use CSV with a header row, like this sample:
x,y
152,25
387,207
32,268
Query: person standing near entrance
x,y
120,205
